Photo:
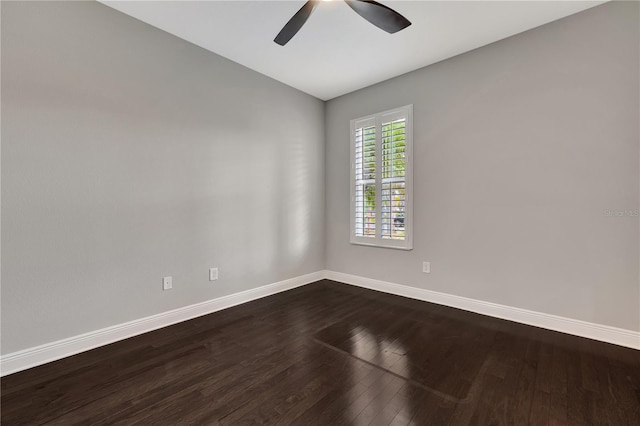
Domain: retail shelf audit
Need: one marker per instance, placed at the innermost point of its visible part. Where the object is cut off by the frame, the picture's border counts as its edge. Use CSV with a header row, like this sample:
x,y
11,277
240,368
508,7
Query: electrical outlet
x,y
426,267
167,283
213,274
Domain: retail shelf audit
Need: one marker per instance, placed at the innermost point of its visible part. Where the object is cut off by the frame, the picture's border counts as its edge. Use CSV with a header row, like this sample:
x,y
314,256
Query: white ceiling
x,y
337,51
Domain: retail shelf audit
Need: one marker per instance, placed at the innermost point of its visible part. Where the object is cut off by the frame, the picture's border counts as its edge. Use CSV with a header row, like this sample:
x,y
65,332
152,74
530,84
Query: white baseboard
x,y
31,357
604,333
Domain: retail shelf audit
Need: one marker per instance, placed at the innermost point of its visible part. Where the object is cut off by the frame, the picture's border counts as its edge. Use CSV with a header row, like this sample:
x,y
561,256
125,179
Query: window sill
x,y
385,246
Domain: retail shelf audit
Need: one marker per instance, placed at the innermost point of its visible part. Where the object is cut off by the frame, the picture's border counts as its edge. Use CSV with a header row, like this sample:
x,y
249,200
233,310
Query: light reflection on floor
x,y
385,354
407,349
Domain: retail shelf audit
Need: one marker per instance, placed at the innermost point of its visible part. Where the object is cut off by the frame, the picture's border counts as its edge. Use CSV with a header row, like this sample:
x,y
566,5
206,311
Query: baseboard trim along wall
x,y
604,333
31,357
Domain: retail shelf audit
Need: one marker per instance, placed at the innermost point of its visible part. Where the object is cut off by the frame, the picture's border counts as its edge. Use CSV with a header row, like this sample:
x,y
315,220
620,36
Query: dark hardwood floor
x,y
332,354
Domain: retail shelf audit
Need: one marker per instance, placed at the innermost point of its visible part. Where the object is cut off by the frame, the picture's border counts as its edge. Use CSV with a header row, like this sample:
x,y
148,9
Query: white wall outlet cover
x,y
167,283
213,274
426,267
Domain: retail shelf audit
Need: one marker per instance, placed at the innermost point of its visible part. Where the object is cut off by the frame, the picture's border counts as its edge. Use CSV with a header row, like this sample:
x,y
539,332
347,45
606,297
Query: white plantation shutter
x,y
381,185
393,178
365,179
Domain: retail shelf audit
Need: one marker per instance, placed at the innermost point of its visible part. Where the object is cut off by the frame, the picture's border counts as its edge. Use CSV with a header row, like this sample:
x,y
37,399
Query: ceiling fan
x,y
378,14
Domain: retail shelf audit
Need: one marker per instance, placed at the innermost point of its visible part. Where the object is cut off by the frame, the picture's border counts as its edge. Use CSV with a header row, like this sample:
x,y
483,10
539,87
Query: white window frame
x,y
378,119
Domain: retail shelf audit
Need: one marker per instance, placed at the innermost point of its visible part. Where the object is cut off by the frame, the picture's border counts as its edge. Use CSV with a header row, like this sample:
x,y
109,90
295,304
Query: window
x,y
381,179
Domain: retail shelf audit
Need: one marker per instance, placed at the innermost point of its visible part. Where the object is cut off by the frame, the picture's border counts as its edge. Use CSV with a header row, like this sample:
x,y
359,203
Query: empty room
x,y
341,212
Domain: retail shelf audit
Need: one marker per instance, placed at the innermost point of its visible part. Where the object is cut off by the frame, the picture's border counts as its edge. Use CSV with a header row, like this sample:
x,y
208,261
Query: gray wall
x,y
520,147
129,154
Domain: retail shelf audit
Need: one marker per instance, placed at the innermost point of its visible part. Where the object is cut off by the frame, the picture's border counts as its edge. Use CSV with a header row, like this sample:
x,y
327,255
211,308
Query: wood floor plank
x,y
558,386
